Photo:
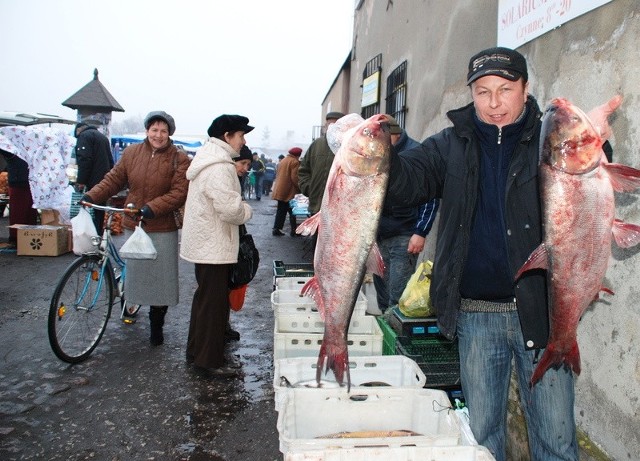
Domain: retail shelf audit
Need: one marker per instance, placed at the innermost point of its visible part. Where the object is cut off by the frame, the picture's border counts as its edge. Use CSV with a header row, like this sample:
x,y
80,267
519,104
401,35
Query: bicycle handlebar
x,y
130,209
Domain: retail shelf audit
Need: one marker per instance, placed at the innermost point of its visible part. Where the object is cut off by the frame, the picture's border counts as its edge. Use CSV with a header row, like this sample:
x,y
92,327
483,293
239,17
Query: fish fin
x,y
626,235
536,260
309,226
554,357
607,290
623,178
375,263
312,290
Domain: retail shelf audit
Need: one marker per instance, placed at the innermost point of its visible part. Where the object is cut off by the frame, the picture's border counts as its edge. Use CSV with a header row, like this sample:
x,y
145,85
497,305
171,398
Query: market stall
x,y
47,152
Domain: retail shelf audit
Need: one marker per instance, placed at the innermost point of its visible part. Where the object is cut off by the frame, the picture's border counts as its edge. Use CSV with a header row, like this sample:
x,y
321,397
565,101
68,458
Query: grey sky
x,y
272,61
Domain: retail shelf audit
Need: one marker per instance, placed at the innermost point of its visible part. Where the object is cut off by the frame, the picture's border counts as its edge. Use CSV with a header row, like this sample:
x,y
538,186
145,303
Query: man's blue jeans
x,y
399,267
259,185
487,344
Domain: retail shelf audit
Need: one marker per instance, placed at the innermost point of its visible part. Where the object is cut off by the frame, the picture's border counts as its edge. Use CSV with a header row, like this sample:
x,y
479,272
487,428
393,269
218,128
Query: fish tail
x,y
338,362
322,355
554,357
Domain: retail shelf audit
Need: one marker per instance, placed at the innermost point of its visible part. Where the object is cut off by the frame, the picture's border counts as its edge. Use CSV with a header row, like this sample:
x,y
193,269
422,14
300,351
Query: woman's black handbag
x,y
248,259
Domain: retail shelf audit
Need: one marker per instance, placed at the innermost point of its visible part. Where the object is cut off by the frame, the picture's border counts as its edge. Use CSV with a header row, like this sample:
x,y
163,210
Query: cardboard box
x,y
50,217
42,240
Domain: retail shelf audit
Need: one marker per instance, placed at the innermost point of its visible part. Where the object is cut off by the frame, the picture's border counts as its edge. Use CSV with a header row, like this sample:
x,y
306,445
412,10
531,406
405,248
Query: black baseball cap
x,y
503,62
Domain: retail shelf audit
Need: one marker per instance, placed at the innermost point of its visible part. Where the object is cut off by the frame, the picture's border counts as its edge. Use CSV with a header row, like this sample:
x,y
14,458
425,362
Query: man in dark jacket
x,y
257,166
93,156
402,233
315,166
485,171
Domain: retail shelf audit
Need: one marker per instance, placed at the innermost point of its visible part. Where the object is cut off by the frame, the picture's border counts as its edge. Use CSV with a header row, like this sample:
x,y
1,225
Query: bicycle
x,y
83,298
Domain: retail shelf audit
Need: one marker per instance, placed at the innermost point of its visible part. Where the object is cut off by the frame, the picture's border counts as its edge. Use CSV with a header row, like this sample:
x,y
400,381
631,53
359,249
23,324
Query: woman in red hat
x,y
285,188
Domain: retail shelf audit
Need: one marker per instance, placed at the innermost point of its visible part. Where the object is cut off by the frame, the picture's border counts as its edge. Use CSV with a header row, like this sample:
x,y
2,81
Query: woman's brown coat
x,y
156,179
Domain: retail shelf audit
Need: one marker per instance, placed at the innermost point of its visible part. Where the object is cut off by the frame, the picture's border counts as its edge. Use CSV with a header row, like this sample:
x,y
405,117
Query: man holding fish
x,y
484,168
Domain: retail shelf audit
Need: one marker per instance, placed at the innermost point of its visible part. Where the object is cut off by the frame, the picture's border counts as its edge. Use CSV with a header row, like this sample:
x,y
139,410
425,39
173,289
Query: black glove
x,y
84,198
147,213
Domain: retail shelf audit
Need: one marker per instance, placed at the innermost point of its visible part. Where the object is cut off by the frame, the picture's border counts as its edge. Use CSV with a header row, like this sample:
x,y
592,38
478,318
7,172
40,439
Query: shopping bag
x,y
83,231
138,246
245,269
415,300
236,297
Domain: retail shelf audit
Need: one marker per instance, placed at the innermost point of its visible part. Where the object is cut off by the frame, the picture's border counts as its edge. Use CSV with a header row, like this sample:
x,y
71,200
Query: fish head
x,y
569,141
361,146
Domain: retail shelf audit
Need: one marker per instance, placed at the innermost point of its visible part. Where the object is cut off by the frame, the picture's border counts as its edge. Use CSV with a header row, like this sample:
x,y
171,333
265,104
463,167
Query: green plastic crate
x,y
281,269
437,358
388,337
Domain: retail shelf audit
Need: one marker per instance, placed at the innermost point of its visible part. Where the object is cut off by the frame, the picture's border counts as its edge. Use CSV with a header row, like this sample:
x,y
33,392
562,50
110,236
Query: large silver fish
x,y
577,185
347,225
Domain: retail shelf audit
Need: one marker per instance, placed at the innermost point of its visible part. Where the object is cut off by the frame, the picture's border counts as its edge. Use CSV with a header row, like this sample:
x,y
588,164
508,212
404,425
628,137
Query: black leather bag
x,y
248,259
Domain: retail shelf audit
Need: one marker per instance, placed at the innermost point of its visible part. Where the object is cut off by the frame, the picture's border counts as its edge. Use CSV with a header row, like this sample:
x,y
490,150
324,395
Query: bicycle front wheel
x,y
80,309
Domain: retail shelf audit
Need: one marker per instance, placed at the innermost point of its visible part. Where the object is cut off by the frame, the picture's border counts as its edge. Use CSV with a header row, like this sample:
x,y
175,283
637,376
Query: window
x,y
371,87
397,94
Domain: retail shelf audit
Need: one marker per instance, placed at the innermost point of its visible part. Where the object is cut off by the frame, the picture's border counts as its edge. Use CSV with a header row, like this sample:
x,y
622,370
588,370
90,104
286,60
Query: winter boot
x,y
156,321
230,334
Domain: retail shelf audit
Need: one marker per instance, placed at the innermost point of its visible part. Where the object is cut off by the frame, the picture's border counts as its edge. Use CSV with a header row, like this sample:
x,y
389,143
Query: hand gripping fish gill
x,y
347,225
577,190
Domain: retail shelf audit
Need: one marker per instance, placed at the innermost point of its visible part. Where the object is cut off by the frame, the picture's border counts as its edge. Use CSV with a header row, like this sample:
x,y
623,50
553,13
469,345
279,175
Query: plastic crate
x,y
300,335
281,269
370,293
291,301
456,396
456,453
388,337
291,283
308,419
437,358
372,371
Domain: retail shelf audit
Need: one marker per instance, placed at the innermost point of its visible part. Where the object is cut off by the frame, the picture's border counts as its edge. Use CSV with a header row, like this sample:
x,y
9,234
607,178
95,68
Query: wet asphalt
x,y
129,400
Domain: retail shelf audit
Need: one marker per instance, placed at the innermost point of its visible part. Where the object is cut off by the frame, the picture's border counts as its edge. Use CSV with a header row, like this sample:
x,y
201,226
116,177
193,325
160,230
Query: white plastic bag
x,y
138,246
83,231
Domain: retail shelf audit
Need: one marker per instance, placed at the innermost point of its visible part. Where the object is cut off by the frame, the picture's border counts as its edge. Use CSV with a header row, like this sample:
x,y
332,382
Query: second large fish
x,y
577,185
347,225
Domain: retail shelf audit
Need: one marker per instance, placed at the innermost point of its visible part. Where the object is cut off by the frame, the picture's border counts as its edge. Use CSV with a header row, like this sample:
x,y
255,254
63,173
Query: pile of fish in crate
x,y
386,415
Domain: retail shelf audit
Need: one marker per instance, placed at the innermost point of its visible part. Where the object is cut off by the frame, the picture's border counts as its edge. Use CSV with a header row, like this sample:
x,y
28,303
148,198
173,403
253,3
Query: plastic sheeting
x,y
47,151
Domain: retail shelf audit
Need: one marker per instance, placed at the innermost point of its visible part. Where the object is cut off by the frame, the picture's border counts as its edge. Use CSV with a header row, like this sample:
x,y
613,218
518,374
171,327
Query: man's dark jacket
x,y
93,156
406,220
446,165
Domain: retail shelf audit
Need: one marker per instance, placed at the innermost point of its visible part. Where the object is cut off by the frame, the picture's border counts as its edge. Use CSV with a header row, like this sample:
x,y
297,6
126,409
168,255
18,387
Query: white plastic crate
x,y
291,301
395,371
291,283
456,453
308,418
369,291
300,335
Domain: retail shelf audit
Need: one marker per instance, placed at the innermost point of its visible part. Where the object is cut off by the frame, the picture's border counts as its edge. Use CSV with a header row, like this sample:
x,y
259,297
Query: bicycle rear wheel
x,y
80,309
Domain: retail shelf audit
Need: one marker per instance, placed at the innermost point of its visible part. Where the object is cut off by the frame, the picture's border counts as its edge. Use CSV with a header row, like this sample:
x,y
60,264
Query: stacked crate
x,y
420,340
387,394
298,328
